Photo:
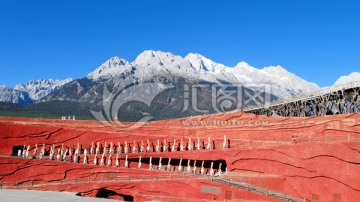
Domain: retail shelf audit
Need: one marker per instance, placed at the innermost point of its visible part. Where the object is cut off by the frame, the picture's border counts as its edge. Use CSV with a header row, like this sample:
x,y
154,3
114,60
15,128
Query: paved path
x,y
44,196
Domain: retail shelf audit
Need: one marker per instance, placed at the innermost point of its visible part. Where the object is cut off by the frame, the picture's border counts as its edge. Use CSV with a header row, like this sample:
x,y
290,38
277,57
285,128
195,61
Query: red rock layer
x,y
323,164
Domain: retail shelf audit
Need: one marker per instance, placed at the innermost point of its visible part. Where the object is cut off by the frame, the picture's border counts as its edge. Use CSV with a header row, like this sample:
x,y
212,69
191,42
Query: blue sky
x,y
317,40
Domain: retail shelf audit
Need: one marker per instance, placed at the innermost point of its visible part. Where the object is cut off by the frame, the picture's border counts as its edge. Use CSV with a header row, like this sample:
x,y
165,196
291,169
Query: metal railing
x,y
306,96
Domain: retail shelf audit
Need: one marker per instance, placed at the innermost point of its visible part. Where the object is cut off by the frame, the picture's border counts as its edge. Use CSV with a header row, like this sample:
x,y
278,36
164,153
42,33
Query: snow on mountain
x,y
157,65
203,64
156,59
31,91
109,68
353,77
282,82
197,67
14,96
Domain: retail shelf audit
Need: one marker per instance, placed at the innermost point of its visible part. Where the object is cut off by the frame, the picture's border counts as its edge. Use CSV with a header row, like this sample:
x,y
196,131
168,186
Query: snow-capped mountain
x,y
30,92
14,96
353,77
37,89
122,78
198,67
282,82
109,68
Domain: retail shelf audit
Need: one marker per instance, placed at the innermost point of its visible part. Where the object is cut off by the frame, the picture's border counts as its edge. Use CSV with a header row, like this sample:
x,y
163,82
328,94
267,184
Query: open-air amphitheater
x,y
291,150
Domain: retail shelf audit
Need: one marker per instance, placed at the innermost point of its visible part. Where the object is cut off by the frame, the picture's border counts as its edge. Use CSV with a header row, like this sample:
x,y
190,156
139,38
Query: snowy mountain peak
x,y
116,61
354,76
279,70
109,68
42,83
41,87
203,64
244,67
156,59
197,67
31,91
3,87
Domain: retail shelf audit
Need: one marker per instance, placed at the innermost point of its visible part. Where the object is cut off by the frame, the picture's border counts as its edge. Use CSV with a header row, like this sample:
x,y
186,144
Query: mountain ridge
x,y
30,92
198,67
194,67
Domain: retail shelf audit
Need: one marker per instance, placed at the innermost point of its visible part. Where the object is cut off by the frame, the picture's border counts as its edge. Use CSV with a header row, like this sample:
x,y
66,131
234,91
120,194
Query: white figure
x,y
134,148
97,150
35,150
105,150
211,169
181,145
85,159
92,148
117,162
111,150
142,146
139,164
190,146
62,150
42,152
95,160
194,169
160,164
157,148
168,168
77,151
64,155
51,155
224,144
27,151
148,146
189,167
164,146
180,166
126,148
126,162
102,161
58,156
75,159
173,146
109,161
118,148
19,152
150,164
85,151
24,151
208,144
70,151
219,170
202,168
